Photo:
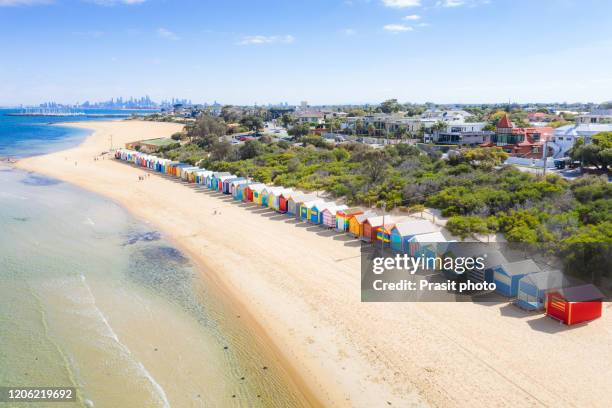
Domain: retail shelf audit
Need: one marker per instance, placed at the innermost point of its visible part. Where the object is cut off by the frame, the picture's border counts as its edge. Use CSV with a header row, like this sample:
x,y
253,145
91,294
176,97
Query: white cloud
x,y
167,34
116,2
397,28
451,3
266,39
12,3
401,3
349,31
412,17
459,3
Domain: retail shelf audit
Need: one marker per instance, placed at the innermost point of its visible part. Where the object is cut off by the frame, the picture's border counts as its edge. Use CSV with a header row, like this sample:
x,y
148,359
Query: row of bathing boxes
x,y
532,288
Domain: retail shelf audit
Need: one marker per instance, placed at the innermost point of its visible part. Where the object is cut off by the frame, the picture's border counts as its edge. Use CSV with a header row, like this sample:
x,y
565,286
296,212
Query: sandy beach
x,y
300,286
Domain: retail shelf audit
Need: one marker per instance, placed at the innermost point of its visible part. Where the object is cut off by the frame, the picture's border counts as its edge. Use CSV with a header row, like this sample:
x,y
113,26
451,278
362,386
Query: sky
x,y
320,51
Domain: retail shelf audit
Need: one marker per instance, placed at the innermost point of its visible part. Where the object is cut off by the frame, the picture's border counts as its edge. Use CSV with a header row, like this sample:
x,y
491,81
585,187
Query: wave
x,y
163,399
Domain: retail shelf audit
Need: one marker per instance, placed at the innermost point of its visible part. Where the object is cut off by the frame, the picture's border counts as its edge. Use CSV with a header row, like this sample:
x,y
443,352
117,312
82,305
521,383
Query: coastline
x,y
302,291
215,283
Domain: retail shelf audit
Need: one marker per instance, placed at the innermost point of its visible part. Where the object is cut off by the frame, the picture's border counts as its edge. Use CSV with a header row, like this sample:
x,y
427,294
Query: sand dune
x,y
302,288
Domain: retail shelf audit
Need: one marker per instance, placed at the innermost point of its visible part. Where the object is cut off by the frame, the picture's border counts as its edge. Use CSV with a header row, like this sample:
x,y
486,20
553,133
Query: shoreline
x,y
213,281
300,286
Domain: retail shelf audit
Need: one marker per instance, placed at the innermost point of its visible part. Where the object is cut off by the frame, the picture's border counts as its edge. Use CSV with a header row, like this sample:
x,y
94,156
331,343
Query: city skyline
x,y
360,51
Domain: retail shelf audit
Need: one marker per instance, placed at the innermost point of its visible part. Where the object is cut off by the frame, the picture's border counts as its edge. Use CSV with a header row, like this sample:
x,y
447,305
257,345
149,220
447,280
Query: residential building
x,y
520,142
565,136
597,116
446,115
462,134
309,117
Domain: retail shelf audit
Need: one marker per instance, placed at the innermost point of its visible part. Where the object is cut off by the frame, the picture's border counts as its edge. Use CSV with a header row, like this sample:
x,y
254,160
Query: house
x,y
329,215
295,201
538,117
306,208
532,288
274,198
216,178
266,192
239,192
427,245
256,192
175,169
383,234
565,136
344,215
506,276
492,258
283,200
192,174
152,145
235,185
187,171
520,142
202,175
248,190
451,115
597,116
227,183
574,305
356,223
306,116
371,224
403,231
462,134
314,212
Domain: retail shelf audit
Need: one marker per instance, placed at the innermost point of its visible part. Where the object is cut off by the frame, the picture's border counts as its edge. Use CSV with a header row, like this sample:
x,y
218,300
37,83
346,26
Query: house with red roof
x,y
520,142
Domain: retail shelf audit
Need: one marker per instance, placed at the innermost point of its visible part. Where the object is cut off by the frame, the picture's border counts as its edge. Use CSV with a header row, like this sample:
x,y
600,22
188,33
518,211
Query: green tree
x,y
252,122
286,120
467,226
251,149
390,106
371,129
207,130
299,131
229,114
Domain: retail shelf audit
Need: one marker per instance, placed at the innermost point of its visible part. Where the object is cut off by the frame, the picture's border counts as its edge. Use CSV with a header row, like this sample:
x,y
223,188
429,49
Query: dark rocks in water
x,y
21,219
39,181
142,236
166,254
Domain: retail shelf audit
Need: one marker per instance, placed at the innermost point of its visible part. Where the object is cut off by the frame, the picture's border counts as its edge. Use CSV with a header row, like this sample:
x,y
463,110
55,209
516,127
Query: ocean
x,y
94,299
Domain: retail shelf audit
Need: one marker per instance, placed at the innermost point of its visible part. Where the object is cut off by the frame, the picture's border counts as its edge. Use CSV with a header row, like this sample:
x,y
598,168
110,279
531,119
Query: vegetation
x,y
468,186
598,153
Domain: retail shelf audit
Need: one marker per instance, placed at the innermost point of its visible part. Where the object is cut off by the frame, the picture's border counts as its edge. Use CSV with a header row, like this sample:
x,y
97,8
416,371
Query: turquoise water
x,y
94,299
22,136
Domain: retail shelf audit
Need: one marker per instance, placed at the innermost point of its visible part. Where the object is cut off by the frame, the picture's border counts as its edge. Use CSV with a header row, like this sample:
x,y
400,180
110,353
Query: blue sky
x,y
322,51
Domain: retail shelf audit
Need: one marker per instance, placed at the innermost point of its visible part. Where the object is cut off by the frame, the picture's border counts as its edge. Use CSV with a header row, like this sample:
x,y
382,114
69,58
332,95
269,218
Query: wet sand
x,y
299,285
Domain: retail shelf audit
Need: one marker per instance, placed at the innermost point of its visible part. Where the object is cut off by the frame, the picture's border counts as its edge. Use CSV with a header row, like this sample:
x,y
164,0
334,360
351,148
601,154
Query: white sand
x,y
302,288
